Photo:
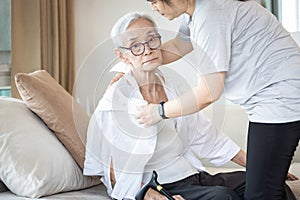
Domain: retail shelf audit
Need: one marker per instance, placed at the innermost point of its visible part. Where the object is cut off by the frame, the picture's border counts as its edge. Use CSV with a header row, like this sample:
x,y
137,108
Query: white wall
x,y
94,54
94,20
296,36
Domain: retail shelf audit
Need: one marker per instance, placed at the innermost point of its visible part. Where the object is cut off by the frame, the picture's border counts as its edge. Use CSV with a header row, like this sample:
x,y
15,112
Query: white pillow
x,y
33,161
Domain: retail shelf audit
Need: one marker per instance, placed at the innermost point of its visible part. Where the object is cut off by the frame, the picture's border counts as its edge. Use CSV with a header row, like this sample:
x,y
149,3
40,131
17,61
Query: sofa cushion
x,y
33,161
57,108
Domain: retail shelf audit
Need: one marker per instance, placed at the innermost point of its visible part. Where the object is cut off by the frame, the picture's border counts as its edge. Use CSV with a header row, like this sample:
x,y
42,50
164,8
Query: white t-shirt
x,y
168,159
260,58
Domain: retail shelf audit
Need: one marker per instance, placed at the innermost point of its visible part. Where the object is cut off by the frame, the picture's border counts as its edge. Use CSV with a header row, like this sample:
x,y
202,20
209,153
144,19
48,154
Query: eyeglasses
x,y
139,48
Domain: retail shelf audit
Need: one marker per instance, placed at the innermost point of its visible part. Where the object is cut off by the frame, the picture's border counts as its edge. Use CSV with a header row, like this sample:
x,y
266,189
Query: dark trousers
x,y
222,186
269,154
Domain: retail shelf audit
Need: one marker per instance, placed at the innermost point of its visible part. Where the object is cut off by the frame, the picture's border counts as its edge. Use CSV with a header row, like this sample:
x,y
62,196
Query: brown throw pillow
x,y
57,108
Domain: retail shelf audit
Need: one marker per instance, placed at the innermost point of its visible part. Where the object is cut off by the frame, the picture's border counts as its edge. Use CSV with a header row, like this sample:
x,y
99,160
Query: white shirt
x,y
114,133
260,58
168,158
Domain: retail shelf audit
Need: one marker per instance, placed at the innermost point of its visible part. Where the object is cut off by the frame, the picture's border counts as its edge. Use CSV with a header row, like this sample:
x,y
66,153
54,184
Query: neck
x,y
150,86
190,7
146,79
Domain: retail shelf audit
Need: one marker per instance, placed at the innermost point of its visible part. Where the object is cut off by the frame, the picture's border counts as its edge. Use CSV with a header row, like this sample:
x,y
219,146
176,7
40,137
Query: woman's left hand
x,y
148,115
154,195
291,177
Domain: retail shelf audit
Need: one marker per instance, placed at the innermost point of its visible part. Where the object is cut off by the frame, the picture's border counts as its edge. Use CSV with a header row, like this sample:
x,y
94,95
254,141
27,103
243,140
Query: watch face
x,y
160,110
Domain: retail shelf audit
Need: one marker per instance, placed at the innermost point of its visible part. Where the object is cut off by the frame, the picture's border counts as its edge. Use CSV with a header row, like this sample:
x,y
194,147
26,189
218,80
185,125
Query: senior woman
x,y
124,153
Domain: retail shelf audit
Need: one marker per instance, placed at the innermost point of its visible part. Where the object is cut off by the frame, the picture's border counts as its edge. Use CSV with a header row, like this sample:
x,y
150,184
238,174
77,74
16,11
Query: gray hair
x,y
124,22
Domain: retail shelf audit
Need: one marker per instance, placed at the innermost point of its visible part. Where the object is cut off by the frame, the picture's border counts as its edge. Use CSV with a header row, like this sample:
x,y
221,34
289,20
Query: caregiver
x,y
249,56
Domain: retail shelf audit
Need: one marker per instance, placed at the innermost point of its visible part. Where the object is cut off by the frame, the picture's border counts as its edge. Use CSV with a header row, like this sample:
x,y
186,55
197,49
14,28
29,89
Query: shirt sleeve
x,y
211,38
92,163
120,67
126,146
184,30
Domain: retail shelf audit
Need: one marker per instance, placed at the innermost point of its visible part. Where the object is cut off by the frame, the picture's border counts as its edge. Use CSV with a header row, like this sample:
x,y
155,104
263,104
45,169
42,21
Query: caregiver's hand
x,y
115,78
148,114
291,177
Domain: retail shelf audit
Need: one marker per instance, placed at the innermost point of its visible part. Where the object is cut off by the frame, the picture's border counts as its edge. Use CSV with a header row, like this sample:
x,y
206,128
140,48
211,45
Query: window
x,y
272,5
287,12
290,15
5,47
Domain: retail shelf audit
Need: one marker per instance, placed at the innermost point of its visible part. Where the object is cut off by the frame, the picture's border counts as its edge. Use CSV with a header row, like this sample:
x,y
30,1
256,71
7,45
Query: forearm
x,y
112,174
185,105
240,158
208,90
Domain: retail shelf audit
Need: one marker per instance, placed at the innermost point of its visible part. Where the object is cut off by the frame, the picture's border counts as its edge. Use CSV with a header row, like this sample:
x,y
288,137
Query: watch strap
x,y
161,110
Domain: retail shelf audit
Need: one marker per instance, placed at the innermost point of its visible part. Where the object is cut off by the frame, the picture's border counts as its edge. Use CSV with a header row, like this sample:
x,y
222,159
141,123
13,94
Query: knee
x,y
225,193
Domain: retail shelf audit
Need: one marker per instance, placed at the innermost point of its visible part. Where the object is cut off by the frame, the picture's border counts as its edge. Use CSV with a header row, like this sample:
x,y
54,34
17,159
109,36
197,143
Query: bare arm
x,y
112,174
207,91
175,49
240,158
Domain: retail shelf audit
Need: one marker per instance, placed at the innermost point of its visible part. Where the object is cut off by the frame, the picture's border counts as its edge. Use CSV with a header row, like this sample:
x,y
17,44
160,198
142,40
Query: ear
x,y
122,56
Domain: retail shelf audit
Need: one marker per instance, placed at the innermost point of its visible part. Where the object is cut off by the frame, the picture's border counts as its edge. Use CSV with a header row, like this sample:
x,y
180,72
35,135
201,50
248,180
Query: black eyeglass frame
x,y
143,43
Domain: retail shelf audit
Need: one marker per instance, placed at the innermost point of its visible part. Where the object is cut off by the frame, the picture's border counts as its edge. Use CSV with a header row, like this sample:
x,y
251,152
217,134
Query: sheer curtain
x,y
43,38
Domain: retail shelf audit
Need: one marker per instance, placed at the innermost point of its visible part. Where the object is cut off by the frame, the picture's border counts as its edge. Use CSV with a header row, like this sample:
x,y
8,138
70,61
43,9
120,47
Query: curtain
x,y
57,40
43,38
25,39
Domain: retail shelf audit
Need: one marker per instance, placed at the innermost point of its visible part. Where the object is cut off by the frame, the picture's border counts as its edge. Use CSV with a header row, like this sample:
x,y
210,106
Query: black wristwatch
x,y
161,110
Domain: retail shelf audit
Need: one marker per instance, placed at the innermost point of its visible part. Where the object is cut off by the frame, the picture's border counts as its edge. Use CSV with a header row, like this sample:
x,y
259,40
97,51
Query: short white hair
x,y
124,22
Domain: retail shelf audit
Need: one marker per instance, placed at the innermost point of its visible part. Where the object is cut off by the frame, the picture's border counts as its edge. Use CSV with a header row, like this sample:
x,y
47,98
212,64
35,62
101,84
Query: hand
x,y
154,195
115,79
178,197
291,177
148,115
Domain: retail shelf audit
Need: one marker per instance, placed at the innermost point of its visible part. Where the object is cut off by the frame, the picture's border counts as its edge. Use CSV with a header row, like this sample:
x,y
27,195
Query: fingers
x,y
178,197
115,79
142,115
118,76
291,177
154,195
141,118
139,112
148,115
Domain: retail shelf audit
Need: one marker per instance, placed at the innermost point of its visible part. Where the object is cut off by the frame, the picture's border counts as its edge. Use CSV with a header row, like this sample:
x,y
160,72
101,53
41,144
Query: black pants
x,y
269,154
222,186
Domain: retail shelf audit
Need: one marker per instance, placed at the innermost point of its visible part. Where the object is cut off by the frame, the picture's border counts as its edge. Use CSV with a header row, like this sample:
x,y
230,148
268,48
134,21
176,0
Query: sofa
x,y
232,120
38,135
